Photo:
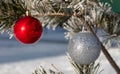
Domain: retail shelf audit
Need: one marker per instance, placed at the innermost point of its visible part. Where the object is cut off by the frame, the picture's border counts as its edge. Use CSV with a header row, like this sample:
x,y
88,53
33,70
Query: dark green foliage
x,y
114,3
10,11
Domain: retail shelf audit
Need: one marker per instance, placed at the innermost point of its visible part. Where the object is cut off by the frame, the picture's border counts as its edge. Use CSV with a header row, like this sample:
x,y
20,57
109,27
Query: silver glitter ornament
x,y
84,48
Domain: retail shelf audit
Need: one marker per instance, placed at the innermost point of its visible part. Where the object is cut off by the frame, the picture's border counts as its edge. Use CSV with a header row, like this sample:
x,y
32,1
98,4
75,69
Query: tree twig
x,y
106,53
52,14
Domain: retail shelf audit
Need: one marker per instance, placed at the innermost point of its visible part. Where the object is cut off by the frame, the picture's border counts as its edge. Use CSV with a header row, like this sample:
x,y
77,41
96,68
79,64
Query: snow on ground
x,y
105,65
61,62
27,67
16,58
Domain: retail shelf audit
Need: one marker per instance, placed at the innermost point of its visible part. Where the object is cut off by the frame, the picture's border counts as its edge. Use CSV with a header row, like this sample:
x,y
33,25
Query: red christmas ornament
x,y
28,30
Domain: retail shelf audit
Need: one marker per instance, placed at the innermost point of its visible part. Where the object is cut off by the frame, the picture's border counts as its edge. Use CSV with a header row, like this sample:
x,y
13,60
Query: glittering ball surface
x,y
28,30
84,48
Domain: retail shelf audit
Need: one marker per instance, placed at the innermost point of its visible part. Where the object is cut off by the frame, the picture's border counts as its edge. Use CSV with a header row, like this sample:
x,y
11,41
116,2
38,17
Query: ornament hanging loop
x,y
84,27
27,13
28,3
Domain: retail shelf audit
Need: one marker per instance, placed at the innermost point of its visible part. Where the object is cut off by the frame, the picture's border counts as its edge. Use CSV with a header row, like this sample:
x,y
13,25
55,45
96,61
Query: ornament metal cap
x,y
28,13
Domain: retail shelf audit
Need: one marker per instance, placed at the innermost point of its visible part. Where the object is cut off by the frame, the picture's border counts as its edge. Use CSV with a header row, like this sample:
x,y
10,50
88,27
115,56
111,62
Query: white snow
x,y
27,67
105,65
61,62
16,58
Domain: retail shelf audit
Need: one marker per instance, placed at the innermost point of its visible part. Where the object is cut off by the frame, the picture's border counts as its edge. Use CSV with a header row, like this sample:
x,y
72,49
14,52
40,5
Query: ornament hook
x,y
28,3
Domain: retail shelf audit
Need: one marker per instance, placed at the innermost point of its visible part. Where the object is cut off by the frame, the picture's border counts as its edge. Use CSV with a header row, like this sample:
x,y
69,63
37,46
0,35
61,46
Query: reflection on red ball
x,y
28,30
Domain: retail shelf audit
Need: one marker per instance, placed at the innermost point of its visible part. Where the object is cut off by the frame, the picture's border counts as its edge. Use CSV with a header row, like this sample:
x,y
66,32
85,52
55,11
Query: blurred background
x,y
52,43
14,56
17,58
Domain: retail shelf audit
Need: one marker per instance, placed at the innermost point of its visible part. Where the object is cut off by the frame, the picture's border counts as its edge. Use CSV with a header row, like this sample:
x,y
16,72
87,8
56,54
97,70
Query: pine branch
x,y
97,15
84,69
79,69
94,11
46,7
41,70
108,56
10,11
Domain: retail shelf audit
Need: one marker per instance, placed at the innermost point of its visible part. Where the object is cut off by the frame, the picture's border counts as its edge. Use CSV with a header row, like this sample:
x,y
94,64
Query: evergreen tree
x,y
72,15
